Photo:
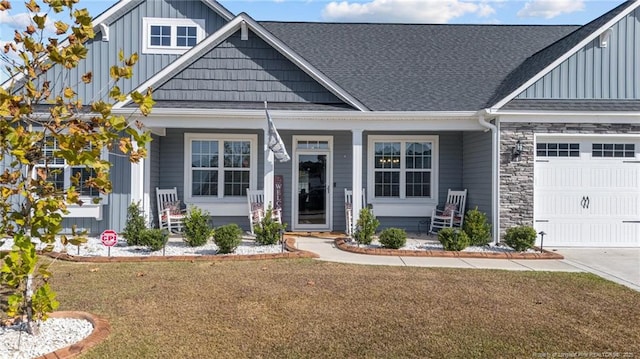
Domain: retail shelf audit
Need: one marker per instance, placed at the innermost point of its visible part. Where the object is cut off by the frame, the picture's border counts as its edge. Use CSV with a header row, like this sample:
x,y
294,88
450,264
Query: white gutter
x,y
495,174
255,114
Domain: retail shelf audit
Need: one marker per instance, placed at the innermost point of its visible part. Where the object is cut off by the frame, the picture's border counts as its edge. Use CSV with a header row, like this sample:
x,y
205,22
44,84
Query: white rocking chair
x,y
348,209
170,214
257,210
452,214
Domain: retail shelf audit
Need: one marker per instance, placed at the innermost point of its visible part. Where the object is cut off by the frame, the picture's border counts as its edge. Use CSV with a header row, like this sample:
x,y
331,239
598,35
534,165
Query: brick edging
x,y
101,330
342,245
292,252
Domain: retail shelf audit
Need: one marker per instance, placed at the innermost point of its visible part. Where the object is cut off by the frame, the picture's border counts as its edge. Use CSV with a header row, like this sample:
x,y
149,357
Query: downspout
x,y
495,175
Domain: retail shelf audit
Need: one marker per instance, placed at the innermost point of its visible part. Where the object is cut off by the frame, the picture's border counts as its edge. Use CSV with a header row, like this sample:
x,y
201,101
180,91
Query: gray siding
x,y
126,34
476,165
593,72
250,71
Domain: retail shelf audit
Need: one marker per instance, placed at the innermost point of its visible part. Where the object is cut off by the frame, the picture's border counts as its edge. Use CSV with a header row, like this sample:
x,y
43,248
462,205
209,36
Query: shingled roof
x,y
401,67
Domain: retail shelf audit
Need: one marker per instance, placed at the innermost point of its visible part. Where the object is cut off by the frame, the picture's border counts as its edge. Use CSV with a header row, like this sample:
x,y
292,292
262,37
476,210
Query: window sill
x,y
87,210
403,208
221,208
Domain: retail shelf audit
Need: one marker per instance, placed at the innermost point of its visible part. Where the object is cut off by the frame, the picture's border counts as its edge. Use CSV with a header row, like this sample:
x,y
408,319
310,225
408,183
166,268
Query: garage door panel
x,y
624,177
569,176
624,206
559,233
555,203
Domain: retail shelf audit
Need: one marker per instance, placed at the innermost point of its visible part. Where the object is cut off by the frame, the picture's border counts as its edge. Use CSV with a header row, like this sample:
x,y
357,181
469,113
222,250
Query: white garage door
x,y
587,191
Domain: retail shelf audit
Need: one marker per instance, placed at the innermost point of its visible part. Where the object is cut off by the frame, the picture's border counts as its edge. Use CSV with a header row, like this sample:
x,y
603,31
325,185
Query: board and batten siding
x,y
596,72
476,166
247,71
125,33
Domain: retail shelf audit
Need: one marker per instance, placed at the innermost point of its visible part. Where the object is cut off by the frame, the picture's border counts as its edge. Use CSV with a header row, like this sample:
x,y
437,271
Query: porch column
x,y
140,194
356,177
268,170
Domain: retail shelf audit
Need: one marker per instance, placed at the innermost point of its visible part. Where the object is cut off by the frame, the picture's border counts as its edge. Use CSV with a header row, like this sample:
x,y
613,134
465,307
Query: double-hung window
x,y
402,167
219,166
60,173
170,36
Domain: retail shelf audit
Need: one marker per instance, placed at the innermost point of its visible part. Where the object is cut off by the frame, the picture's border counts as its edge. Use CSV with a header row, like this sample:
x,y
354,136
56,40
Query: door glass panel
x,y
312,189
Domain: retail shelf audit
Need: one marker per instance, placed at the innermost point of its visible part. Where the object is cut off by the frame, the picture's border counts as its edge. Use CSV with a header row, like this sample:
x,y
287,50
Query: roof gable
x,y
222,35
542,62
249,71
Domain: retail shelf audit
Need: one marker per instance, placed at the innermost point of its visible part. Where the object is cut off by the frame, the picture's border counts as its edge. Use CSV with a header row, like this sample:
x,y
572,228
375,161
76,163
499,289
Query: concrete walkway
x,y
578,261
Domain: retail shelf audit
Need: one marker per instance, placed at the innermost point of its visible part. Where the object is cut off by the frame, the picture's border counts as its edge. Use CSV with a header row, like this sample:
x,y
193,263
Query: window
x,y
545,149
61,174
170,36
614,150
219,165
403,167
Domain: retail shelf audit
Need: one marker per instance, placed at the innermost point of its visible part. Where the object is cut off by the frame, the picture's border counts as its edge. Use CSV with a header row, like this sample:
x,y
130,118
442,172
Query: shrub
x,y
136,224
227,238
393,238
196,227
366,226
154,238
520,238
453,239
477,228
268,231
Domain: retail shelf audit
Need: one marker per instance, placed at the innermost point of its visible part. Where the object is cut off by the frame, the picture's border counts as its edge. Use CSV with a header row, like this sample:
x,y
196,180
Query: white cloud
x,y
20,22
550,8
17,21
411,11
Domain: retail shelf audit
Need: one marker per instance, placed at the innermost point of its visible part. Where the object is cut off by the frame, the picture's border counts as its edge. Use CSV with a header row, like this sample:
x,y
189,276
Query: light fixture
x,y
516,150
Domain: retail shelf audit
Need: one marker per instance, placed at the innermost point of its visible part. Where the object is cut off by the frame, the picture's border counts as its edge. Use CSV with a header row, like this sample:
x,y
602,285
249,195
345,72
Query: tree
x,y
43,124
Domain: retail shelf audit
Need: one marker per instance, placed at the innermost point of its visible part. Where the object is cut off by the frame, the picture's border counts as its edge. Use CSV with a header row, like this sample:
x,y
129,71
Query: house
x,y
540,123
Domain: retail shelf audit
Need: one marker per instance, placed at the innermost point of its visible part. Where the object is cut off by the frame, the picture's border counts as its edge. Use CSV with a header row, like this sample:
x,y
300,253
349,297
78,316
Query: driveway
x,y
620,265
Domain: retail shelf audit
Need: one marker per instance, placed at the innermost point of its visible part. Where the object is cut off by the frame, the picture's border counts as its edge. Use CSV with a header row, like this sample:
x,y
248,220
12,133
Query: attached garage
x,y
587,190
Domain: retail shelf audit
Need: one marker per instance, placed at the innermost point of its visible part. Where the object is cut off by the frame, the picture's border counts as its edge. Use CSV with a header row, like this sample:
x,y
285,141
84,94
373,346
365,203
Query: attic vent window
x,y
604,38
170,36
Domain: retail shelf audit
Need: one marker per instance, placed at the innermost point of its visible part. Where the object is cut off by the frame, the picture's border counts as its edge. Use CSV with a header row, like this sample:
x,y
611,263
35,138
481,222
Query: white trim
x,y
575,117
566,55
222,34
219,205
357,138
403,206
604,37
104,30
328,182
148,22
221,10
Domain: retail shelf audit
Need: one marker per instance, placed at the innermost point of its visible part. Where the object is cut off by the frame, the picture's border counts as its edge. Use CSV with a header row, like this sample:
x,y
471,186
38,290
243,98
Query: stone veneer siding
x,y
516,176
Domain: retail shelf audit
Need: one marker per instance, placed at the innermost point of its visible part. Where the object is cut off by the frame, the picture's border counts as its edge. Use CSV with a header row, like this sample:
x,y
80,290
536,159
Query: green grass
x,y
311,309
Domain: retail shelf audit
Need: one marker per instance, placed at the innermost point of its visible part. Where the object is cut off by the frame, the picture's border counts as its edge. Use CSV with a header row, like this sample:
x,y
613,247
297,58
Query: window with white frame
x,y
219,165
402,167
170,36
61,174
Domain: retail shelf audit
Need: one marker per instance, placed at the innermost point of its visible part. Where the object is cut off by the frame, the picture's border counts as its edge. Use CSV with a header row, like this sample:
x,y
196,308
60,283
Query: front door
x,y
312,184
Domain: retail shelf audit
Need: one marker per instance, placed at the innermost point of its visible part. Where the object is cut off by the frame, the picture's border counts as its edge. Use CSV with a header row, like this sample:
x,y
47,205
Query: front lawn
x,y
312,309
